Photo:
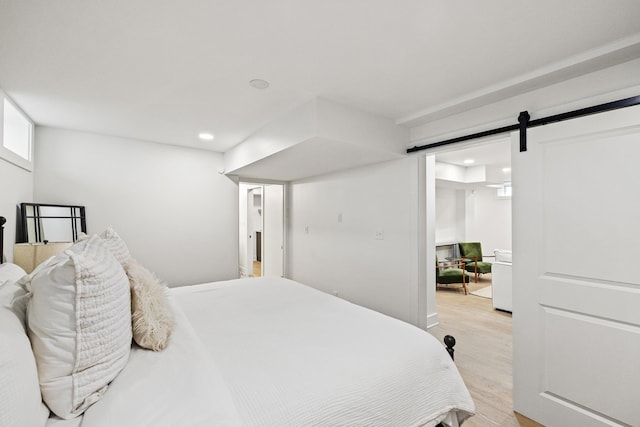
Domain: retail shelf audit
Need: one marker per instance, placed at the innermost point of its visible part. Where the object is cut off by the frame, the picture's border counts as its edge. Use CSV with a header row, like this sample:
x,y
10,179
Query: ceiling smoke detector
x,y
259,83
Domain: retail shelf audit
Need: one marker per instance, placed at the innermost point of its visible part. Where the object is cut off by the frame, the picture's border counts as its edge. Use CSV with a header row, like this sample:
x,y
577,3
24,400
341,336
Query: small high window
x,y
17,135
505,191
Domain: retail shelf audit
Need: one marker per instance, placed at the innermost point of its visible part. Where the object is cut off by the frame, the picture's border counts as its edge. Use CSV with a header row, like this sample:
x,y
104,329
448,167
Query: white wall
x,y
427,260
243,237
17,187
178,215
447,210
602,86
332,235
474,215
488,220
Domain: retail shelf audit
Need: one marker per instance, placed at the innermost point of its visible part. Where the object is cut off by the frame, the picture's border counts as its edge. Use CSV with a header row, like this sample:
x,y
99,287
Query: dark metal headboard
x,y
2,221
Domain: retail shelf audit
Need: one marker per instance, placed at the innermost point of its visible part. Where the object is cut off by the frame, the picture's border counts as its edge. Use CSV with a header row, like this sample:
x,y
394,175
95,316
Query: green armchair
x,y
448,273
472,253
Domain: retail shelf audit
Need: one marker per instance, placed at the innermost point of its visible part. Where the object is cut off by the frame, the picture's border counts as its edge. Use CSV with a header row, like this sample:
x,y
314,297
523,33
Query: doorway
x,y
261,229
471,206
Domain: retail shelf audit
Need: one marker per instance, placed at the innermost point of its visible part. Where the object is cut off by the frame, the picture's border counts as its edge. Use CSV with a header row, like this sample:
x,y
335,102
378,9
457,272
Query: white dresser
x,y
501,277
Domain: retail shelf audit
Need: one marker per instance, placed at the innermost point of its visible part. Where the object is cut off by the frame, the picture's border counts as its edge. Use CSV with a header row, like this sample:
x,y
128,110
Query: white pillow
x,y
79,320
151,314
20,400
116,245
11,272
114,242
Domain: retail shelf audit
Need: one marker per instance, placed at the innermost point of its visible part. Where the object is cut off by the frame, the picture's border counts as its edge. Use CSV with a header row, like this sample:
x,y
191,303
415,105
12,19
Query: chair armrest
x,y
453,259
474,259
460,264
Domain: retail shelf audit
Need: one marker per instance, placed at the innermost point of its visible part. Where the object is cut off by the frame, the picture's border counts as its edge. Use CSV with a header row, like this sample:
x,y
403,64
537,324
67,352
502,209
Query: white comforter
x,y
294,356
177,387
273,352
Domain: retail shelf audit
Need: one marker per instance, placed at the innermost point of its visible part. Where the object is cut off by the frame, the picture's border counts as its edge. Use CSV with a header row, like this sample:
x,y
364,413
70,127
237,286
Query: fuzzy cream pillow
x,y
151,315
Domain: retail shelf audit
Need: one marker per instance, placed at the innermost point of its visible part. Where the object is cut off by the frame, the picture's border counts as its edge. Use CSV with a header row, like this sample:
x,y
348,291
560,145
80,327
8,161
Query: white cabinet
x,y
502,282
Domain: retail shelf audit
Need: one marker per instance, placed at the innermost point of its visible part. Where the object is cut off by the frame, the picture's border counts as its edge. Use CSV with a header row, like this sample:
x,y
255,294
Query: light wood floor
x,y
483,353
257,269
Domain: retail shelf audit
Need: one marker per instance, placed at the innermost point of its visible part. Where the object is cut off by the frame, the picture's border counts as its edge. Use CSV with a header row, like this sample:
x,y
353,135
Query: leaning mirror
x,y
53,223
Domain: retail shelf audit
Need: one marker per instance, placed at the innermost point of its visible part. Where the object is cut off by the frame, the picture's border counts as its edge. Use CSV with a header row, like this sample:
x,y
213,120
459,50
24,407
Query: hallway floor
x,y
257,269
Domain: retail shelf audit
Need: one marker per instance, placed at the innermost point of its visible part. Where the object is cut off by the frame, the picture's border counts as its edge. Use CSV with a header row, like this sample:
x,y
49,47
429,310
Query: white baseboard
x,y
432,320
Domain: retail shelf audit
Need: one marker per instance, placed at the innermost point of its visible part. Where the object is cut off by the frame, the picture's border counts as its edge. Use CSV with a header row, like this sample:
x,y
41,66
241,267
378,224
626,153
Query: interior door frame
x,y
430,154
436,147
285,210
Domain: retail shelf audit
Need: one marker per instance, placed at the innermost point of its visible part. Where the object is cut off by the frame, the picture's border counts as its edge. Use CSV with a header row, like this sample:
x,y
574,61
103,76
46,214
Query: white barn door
x,y
576,307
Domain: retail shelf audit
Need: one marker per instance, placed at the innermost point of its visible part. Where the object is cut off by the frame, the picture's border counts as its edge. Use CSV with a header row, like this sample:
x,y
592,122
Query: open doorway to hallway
x,y
261,229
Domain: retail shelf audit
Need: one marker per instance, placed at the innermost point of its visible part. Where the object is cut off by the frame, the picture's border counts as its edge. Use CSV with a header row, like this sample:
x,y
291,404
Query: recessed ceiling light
x,y
469,162
505,170
259,83
206,136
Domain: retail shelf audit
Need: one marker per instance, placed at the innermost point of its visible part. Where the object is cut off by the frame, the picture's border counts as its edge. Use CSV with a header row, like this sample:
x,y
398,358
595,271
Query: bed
x,y
262,352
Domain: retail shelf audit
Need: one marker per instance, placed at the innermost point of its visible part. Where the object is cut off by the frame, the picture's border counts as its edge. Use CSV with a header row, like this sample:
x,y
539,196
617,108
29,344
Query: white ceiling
x,y
492,153
496,152
165,70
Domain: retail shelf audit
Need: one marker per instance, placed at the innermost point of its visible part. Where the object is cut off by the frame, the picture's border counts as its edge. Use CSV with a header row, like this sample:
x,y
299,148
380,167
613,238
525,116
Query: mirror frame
x,y
25,217
2,222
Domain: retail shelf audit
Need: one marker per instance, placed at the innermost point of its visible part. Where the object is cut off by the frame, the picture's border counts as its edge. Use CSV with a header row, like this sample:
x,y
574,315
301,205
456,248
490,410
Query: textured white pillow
x,y
151,315
116,245
114,242
20,400
79,325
